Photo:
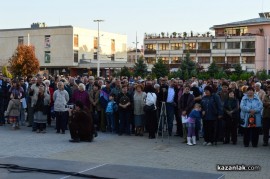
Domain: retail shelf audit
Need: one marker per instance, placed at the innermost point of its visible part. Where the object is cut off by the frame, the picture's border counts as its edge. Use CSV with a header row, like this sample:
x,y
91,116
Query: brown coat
x,y
94,100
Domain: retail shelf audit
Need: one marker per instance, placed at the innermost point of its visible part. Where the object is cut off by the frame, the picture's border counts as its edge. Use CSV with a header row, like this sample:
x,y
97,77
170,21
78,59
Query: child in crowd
x,y
194,116
13,110
110,109
184,124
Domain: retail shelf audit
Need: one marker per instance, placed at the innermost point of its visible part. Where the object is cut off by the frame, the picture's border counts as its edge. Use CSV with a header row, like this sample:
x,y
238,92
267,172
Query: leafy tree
x,y
245,75
238,69
6,72
24,61
213,69
160,69
125,71
140,68
188,66
175,74
262,75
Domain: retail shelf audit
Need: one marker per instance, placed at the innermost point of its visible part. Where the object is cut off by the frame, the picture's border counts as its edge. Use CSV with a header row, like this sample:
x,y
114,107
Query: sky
x,y
128,17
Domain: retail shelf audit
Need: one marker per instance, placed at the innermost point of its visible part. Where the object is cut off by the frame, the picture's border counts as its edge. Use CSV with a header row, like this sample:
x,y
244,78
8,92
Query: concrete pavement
x,y
136,151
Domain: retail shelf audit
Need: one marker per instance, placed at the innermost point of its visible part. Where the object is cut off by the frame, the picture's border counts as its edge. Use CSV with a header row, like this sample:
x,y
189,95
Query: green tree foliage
x,y
24,61
125,71
262,75
6,72
238,69
213,69
140,68
188,67
160,69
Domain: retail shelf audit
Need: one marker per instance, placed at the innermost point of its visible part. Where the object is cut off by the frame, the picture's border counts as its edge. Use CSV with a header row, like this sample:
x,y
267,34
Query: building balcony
x,y
149,51
198,51
247,50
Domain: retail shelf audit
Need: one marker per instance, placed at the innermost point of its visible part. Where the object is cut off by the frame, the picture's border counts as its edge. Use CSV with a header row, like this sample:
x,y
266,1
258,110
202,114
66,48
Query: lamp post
x,y
136,48
98,62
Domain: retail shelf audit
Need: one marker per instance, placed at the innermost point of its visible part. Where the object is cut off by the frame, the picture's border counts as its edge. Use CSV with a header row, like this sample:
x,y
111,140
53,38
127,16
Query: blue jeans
x,y
110,121
124,122
170,115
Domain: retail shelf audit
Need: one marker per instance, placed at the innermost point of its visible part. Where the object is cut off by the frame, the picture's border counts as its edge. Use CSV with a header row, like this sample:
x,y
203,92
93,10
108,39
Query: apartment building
x,y
245,42
67,49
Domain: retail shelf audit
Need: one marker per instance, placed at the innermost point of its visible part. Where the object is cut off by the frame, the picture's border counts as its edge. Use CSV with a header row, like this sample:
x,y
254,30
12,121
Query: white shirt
x,y
171,93
151,98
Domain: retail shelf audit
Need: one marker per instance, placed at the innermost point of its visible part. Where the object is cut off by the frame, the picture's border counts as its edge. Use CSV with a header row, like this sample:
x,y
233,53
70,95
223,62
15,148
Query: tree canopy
x,y
24,61
160,69
140,68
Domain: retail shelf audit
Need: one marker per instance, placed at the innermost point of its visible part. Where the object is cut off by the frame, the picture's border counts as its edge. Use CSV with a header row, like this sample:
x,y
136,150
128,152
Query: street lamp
x,y
136,48
98,62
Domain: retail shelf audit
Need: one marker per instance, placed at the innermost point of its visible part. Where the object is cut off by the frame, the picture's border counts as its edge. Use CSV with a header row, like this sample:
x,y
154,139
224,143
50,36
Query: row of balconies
x,y
153,52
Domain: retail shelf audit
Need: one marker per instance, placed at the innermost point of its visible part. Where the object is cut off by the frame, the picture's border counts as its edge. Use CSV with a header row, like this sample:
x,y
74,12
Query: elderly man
x,y
259,91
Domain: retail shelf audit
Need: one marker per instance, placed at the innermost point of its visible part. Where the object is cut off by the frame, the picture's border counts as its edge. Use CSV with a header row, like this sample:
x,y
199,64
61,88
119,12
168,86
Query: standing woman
x,y
151,116
251,108
41,105
231,117
139,102
266,116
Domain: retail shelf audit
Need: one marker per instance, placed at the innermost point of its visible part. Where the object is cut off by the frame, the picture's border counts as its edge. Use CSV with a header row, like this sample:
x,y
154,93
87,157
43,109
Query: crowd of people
x,y
219,110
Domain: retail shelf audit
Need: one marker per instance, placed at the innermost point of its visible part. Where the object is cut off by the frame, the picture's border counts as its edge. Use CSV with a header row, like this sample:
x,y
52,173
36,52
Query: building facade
x,y
245,42
67,49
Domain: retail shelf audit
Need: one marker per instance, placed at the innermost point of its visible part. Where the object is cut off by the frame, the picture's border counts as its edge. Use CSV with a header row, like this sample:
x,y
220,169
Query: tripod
x,y
163,122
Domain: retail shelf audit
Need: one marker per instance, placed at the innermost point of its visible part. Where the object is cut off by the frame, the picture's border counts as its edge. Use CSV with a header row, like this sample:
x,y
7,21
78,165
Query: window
x,y
248,45
47,57
47,41
150,46
176,59
233,45
176,46
233,60
248,60
203,60
191,45
76,40
219,60
219,45
163,46
76,56
95,55
20,40
204,45
95,43
112,57
112,46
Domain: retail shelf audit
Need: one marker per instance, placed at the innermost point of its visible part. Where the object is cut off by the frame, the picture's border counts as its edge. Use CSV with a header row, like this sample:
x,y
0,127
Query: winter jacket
x,y
212,107
246,105
14,107
60,98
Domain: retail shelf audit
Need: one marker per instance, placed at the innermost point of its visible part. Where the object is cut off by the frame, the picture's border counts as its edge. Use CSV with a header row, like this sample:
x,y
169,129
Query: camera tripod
x,y
163,122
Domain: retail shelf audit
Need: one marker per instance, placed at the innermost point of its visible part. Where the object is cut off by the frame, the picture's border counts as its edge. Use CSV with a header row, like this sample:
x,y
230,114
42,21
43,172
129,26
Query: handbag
x,y
251,121
147,108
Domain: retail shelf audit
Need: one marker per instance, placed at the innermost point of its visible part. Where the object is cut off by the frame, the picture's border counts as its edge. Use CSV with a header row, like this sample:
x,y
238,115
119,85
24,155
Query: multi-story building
x,y
245,42
67,49
133,55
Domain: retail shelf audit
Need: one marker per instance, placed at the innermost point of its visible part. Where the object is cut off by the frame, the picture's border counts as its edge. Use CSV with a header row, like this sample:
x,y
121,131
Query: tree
x,y
213,69
238,69
24,61
125,71
188,67
140,68
159,69
6,72
262,75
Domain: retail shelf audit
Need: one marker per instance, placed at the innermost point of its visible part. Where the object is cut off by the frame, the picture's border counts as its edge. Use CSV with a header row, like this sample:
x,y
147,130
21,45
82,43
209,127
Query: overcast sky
x,y
129,16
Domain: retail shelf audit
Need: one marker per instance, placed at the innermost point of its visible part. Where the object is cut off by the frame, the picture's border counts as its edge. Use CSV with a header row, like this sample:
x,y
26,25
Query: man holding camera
x,y
81,123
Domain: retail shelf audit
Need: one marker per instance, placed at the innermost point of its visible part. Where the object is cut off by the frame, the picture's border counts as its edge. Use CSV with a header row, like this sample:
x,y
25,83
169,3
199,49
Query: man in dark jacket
x,y
81,124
